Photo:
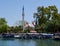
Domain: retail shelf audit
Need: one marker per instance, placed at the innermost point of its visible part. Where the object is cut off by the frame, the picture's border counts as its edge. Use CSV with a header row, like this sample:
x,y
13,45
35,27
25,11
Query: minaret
x,y
23,17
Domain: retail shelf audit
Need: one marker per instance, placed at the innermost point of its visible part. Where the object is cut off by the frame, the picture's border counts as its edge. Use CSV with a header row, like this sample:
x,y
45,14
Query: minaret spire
x,y
23,11
23,17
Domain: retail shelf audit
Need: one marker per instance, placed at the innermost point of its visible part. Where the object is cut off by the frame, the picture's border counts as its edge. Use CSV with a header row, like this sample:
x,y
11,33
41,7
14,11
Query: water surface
x,y
34,42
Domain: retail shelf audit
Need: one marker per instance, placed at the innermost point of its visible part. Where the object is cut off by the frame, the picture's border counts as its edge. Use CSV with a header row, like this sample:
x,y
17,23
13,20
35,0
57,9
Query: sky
x,y
11,10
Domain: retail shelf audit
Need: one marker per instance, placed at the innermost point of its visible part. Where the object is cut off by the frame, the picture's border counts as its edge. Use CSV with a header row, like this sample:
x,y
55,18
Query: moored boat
x,y
46,36
5,35
56,36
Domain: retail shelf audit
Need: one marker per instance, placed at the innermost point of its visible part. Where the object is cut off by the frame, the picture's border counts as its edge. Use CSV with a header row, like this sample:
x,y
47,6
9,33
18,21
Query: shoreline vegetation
x,y
47,20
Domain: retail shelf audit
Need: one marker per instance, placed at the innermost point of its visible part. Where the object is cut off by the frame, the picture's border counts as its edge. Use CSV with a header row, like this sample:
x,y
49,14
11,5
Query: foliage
x,y
47,18
16,29
3,25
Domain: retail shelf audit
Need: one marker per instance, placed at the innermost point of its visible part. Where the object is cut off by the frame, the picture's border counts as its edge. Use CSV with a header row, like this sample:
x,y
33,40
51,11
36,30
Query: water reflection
x,y
47,43
34,42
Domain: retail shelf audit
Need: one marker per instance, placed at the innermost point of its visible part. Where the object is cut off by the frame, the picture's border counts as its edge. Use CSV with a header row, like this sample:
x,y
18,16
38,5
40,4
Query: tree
x,y
3,25
47,18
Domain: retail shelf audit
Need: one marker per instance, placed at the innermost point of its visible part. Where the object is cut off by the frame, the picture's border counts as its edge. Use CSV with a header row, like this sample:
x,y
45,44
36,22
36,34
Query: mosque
x,y
24,23
27,24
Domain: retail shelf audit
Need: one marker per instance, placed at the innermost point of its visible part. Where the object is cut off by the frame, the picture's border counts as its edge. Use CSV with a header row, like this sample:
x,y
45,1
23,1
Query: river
x,y
31,42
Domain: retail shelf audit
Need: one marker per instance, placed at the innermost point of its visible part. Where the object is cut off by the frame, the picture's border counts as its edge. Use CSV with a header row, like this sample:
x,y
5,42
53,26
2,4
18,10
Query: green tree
x,y
3,25
39,16
47,18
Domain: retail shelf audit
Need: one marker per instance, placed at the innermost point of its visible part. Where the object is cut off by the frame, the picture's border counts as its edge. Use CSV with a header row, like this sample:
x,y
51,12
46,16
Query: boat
x,y
56,36
6,35
46,36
